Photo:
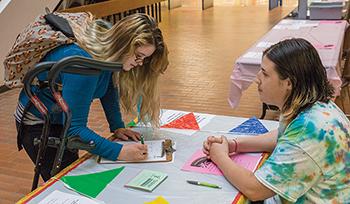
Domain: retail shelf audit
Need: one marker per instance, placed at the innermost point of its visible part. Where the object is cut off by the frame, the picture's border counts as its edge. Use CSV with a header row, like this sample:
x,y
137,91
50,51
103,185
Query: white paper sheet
x,y
58,197
287,27
291,22
264,44
155,152
293,25
253,55
309,25
168,116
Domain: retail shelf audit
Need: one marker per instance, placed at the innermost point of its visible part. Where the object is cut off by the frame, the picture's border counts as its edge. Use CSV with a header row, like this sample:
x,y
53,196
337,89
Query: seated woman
x,y
310,156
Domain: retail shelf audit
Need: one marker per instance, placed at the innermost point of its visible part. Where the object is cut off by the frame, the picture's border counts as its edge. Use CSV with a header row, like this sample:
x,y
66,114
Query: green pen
x,y
198,183
142,139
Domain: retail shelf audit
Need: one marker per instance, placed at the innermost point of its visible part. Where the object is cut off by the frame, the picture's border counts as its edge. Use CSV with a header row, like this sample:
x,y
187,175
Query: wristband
x,y
236,144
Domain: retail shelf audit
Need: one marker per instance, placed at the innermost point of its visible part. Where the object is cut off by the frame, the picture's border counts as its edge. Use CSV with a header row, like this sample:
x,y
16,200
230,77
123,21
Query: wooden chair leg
x,y
264,108
345,99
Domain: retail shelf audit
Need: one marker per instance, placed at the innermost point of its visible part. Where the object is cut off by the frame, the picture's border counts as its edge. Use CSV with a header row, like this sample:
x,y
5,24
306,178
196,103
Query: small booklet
x,y
147,180
157,152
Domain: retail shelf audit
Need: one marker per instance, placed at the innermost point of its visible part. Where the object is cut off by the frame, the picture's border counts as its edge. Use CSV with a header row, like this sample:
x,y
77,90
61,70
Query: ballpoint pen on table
x,y
198,183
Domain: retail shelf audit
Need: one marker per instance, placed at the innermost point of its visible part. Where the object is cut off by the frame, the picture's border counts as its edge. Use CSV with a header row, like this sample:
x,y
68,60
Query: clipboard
x,y
168,149
159,151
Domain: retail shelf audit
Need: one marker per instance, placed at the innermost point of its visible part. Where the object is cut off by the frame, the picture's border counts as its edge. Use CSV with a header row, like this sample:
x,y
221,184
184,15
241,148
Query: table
x,y
325,36
174,189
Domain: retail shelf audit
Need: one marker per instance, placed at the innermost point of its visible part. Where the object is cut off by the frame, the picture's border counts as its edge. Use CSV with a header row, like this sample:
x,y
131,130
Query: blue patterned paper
x,y
251,126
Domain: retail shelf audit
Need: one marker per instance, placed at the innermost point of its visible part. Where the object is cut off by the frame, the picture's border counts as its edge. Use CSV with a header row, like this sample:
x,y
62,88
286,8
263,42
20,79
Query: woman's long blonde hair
x,y
120,42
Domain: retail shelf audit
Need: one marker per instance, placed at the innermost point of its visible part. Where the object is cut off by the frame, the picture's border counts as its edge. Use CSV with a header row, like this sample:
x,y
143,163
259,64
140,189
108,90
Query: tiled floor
x,y
203,47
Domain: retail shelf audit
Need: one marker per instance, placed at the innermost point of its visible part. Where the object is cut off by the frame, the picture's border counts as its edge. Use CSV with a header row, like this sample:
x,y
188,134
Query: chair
x,y
345,87
266,107
346,41
347,16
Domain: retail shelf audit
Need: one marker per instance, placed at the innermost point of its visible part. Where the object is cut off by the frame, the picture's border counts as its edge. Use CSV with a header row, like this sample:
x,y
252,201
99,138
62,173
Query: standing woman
x,y
137,42
310,155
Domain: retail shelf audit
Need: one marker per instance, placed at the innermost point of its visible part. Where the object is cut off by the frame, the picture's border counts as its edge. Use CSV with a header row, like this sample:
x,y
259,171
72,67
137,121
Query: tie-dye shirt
x,y
311,161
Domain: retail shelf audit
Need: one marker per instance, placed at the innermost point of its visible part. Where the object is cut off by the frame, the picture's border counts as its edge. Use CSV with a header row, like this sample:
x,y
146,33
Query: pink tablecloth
x,y
325,36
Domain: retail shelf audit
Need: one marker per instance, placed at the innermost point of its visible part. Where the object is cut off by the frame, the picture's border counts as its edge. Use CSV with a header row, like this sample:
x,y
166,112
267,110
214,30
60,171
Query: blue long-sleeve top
x,y
78,91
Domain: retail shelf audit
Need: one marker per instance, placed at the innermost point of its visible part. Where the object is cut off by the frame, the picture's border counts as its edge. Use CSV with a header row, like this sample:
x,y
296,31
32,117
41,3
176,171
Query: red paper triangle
x,y
187,121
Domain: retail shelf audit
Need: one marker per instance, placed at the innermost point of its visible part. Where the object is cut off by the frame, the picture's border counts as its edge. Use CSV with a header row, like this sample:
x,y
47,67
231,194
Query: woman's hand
x,y
207,144
219,150
126,133
212,139
133,152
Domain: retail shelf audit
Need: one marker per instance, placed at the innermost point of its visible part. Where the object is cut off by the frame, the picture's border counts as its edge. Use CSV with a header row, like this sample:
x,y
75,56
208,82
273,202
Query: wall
x,y
174,4
13,19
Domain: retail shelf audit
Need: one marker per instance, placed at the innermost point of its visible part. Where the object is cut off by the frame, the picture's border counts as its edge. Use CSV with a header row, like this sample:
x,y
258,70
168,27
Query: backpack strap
x,y
20,126
59,24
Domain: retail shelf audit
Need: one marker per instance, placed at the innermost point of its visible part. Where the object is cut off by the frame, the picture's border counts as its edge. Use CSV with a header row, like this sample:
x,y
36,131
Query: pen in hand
x,y
198,183
142,139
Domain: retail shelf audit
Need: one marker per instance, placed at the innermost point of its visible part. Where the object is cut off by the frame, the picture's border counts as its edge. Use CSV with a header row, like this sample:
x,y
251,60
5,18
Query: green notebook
x,y
147,180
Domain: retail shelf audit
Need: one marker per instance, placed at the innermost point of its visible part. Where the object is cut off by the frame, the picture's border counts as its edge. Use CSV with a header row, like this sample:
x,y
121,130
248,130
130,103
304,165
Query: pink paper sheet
x,y
199,163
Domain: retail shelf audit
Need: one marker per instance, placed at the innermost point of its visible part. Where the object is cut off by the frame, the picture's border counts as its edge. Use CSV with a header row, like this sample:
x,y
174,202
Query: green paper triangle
x,y
131,124
91,184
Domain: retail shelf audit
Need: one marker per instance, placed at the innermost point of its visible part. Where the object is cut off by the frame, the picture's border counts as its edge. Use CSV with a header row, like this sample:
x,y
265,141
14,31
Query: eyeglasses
x,y
141,59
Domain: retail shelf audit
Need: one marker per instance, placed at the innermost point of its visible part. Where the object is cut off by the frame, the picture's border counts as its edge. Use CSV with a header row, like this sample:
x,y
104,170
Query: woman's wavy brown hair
x,y
299,61
120,42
